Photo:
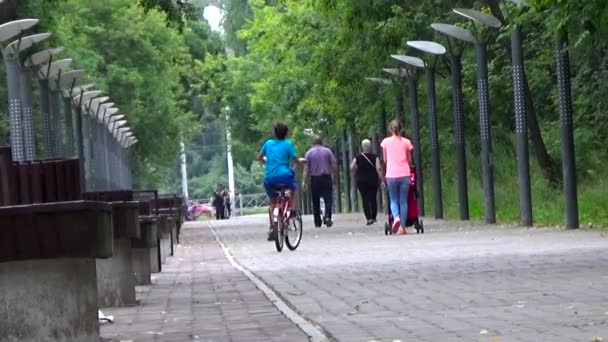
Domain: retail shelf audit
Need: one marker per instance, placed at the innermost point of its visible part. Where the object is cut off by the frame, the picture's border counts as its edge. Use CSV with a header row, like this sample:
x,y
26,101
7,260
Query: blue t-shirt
x,y
279,154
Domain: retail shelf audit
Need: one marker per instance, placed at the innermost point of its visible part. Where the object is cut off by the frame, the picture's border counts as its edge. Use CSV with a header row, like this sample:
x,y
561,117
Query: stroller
x,y
413,212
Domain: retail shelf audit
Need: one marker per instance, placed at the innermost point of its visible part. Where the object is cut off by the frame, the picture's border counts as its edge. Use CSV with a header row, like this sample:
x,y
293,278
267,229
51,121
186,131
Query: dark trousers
x,y
219,212
368,196
321,186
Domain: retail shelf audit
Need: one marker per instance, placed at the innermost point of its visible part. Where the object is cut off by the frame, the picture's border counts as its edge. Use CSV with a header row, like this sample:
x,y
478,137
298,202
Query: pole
x,y
435,160
29,134
55,106
353,182
14,107
459,140
567,135
184,170
413,94
338,199
486,132
521,129
345,173
229,157
69,126
46,118
80,129
107,158
380,136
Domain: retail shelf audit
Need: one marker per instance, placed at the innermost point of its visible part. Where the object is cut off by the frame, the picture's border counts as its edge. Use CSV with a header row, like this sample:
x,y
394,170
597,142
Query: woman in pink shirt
x,y
398,158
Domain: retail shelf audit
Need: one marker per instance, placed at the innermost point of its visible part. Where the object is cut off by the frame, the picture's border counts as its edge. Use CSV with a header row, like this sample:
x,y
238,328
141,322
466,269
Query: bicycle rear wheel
x,y
279,236
294,232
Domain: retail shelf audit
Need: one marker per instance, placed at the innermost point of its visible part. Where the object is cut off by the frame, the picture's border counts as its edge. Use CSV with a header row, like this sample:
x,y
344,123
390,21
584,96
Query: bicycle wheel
x,y
279,236
294,233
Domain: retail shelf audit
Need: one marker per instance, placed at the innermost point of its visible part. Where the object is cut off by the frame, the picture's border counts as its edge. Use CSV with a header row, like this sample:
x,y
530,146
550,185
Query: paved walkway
x,y
200,296
457,282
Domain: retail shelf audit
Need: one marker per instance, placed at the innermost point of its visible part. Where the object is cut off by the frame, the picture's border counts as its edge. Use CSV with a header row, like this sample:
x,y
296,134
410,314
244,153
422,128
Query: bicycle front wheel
x,y
279,236
294,233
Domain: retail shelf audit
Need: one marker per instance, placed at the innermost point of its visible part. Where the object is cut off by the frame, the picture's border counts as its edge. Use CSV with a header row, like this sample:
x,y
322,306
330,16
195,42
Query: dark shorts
x,y
269,184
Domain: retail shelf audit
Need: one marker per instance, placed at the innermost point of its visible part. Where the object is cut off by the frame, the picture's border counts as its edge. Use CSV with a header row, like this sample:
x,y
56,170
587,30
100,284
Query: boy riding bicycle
x,y
278,155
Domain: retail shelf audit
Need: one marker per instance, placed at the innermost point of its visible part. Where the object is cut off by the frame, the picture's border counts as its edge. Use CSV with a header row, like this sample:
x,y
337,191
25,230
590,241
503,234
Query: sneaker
x,y
396,225
271,233
328,222
293,214
401,231
369,222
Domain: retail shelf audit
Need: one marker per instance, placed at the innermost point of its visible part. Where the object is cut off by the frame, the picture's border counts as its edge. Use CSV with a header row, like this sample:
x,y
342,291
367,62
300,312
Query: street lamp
x,y
484,105
435,50
67,79
456,38
30,66
521,125
50,105
411,65
10,53
83,135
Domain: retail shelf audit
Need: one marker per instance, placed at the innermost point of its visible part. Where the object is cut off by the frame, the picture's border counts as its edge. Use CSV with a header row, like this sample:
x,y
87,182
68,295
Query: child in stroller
x,y
413,212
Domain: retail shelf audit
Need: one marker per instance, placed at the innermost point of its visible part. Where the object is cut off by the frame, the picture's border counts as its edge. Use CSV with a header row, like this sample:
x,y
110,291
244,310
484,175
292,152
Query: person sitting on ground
x,y
398,158
368,173
278,154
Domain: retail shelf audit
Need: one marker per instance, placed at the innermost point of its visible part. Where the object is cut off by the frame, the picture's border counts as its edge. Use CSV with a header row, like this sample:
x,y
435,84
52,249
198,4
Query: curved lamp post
x,y
30,66
50,106
8,31
96,140
562,66
117,127
83,135
484,106
456,39
10,53
521,125
436,50
67,79
106,146
411,64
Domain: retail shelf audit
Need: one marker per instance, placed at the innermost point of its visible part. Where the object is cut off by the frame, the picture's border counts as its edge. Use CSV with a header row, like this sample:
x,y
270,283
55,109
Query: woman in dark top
x,y
368,173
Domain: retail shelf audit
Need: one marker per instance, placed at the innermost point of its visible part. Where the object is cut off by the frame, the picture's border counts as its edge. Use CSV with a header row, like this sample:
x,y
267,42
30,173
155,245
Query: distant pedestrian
x,y
397,152
368,174
321,166
218,202
227,204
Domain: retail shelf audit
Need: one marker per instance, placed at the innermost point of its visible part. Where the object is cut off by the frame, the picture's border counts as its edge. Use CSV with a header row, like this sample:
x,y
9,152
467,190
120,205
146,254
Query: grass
x,y
547,201
251,211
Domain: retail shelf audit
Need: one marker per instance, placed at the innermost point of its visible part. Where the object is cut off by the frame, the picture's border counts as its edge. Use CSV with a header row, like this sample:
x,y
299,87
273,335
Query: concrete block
x,y
48,300
141,265
155,259
115,278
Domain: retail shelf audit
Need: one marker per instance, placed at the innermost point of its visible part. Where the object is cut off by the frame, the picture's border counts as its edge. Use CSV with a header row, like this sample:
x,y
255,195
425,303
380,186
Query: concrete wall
x,y
48,300
115,279
141,265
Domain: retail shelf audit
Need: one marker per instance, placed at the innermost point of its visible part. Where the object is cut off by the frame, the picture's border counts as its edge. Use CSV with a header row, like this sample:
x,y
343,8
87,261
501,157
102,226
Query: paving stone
x,y
200,296
450,284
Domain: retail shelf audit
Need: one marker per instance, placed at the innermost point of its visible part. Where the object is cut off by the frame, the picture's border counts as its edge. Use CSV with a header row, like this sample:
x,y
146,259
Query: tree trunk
x,y
546,163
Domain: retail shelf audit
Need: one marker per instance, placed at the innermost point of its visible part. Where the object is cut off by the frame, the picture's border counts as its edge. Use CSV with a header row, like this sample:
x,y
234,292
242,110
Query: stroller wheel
x,y
387,229
421,226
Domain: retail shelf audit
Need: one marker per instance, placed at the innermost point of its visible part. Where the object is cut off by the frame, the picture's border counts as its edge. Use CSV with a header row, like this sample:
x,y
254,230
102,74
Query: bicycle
x,y
286,229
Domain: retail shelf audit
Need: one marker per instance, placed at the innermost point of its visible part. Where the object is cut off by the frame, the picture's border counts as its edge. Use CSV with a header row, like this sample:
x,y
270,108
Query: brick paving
x,y
457,282
200,296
